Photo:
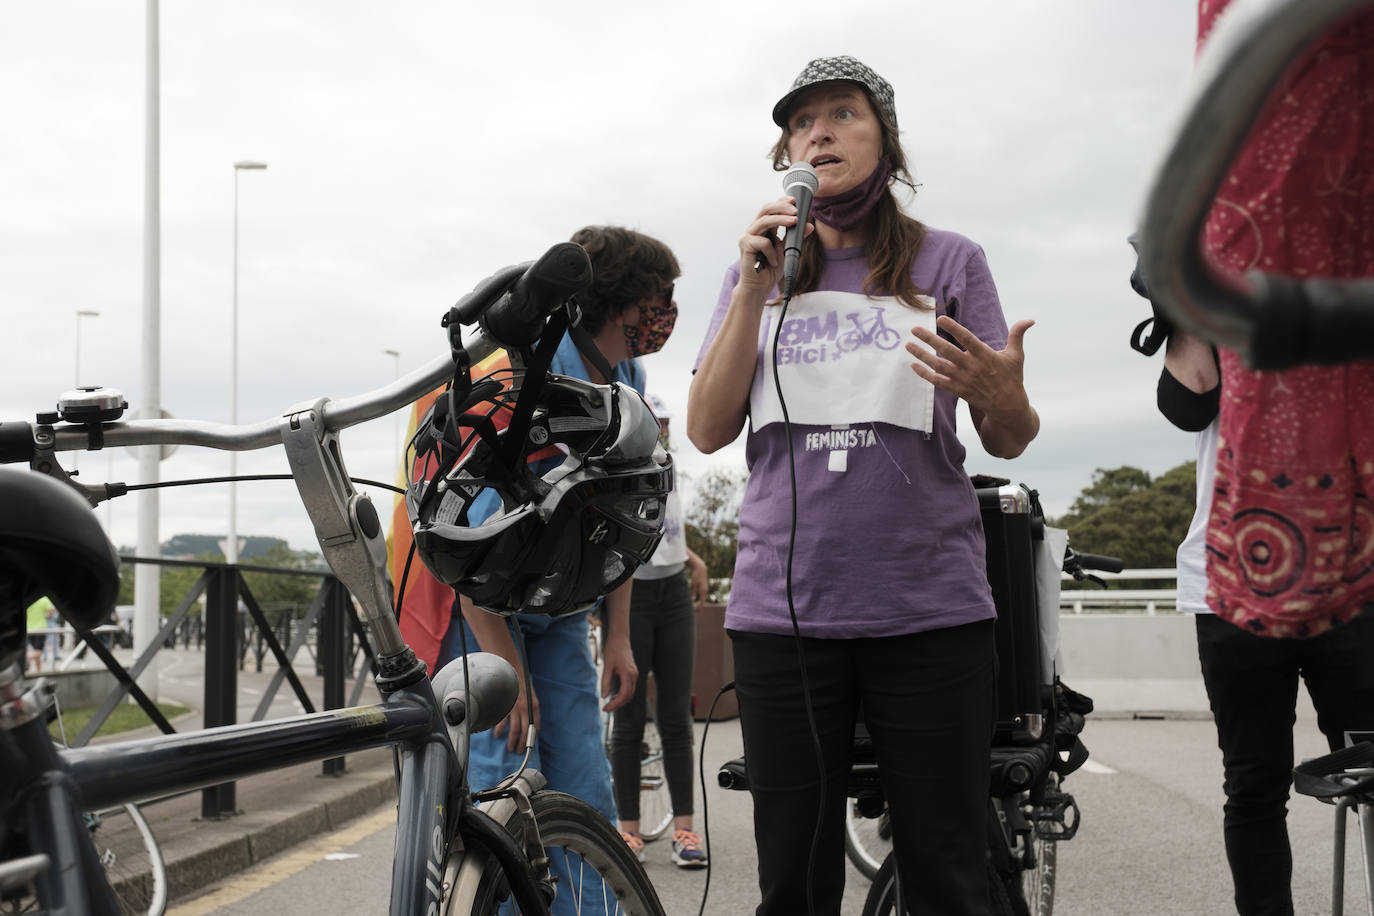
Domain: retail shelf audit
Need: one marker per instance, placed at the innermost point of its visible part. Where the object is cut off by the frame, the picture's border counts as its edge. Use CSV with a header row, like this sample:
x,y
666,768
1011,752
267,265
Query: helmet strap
x,y
586,345
537,366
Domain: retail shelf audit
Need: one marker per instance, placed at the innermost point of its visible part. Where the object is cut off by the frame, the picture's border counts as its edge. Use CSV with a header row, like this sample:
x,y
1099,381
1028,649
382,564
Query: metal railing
x,y
232,619
1094,599
1085,600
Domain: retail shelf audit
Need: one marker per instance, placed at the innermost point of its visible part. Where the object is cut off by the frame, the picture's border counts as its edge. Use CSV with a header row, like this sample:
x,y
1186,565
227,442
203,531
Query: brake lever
x,y
44,461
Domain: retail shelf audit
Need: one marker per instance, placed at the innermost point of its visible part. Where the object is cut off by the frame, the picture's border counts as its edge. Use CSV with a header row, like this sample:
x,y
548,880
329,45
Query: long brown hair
x,y
891,239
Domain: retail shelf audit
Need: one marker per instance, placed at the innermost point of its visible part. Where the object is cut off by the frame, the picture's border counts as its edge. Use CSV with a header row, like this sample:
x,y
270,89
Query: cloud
x,y
415,148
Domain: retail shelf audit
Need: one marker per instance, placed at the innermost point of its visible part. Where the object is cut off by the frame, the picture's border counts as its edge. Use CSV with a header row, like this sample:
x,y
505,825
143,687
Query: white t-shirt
x,y
1192,553
671,555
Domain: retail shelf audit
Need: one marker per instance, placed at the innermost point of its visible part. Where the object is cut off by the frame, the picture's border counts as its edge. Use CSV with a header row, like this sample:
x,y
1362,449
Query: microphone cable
x,y
701,776
792,614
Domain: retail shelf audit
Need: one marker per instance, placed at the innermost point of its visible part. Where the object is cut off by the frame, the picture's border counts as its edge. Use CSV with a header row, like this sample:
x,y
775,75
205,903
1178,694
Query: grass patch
x,y
126,717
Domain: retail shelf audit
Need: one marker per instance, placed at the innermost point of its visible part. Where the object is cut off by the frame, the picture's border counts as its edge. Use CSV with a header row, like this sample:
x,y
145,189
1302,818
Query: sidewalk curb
x,y
278,811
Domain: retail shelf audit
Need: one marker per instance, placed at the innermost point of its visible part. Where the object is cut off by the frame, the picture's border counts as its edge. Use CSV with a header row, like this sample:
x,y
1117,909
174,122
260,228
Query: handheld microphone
x,y
800,182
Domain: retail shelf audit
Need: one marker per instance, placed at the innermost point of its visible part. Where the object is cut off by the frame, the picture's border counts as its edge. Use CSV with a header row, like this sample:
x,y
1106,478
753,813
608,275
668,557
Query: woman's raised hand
x,y
986,379
989,381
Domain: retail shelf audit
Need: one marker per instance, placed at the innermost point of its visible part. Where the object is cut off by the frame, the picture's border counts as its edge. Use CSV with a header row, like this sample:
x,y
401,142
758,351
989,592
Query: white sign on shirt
x,y
841,360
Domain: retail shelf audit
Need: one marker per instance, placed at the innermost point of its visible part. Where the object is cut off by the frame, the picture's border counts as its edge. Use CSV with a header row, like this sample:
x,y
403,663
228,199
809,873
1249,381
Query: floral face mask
x,y
655,324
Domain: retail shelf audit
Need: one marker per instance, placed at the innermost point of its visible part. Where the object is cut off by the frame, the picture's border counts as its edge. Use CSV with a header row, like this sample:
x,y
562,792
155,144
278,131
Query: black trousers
x,y
663,633
929,702
1252,687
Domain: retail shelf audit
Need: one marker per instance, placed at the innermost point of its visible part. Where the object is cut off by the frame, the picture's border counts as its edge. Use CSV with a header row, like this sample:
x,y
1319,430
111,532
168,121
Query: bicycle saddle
x,y
51,544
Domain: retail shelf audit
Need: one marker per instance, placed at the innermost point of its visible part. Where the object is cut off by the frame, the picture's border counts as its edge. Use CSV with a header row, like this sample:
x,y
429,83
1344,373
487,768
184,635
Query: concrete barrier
x,y
1134,664
85,686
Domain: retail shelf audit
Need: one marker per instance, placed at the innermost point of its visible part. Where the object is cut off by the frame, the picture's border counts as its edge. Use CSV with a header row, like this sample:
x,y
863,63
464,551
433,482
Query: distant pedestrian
x,y
668,592
37,620
52,647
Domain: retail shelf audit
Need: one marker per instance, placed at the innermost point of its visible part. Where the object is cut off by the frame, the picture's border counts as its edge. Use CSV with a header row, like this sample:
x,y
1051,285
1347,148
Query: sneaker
x,y
687,851
635,843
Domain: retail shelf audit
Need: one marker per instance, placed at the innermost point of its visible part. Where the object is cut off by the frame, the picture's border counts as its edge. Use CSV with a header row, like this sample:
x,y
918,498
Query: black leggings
x,y
663,629
929,703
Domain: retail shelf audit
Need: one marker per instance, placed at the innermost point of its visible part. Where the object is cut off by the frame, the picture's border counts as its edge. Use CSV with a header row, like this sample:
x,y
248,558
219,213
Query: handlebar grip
x,y
474,304
16,442
1313,321
1097,561
517,318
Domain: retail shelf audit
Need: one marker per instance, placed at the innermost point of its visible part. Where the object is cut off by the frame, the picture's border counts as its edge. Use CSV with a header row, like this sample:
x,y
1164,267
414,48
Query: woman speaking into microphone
x,y
874,594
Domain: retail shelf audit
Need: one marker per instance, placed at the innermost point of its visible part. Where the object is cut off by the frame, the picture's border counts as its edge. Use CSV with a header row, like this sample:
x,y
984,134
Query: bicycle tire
x,y
867,840
131,858
882,896
602,875
1037,882
655,805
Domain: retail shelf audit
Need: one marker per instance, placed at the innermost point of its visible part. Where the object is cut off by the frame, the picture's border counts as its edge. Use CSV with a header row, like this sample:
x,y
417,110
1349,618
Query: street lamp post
x,y
80,313
396,417
231,547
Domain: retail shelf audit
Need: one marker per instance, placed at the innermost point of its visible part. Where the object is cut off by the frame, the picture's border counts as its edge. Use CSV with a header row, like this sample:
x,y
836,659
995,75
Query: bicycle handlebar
x,y
510,305
1273,322
1096,561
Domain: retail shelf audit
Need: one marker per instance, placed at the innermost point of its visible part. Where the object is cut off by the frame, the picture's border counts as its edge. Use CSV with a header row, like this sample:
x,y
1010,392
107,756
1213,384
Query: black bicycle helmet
x,y
581,493
52,544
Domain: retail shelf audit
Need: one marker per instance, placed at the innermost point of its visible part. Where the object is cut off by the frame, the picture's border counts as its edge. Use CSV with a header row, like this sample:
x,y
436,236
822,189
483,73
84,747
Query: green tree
x,y
273,592
712,519
276,592
1125,513
1107,487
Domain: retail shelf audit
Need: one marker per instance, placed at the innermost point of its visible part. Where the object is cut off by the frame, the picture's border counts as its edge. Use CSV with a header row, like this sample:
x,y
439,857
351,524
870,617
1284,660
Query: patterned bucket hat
x,y
836,69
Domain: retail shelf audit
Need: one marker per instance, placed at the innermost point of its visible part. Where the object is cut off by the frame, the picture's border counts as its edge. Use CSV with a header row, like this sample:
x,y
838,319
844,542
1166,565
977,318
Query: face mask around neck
x,y
848,210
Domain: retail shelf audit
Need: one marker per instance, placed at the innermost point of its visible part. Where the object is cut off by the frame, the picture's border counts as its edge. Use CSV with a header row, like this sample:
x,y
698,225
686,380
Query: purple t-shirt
x,y
889,537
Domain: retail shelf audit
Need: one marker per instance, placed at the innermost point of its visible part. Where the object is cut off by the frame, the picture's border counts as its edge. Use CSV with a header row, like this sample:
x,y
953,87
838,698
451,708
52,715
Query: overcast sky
x,y
415,147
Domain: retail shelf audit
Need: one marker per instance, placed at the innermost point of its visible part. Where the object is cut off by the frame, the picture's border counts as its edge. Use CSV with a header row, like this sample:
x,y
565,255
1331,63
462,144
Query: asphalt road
x,y
1150,841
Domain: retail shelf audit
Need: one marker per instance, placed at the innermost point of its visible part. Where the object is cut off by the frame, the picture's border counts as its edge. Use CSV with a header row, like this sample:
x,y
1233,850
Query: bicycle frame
x,y
1345,780
409,718
1364,815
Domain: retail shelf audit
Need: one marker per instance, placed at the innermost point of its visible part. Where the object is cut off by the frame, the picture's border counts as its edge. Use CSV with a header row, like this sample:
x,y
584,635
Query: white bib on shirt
x,y
841,359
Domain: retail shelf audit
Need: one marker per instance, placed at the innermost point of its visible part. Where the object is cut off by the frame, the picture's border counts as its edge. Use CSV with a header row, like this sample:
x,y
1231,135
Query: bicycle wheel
x,y
131,858
882,896
655,805
887,339
867,840
595,872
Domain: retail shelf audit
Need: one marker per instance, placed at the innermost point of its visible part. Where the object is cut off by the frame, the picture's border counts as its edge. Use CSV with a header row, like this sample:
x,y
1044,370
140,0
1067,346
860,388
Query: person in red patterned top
x,y
1290,538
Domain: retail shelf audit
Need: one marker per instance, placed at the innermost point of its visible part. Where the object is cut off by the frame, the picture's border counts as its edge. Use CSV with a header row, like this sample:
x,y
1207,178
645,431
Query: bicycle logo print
x,y
876,333
839,358
819,339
